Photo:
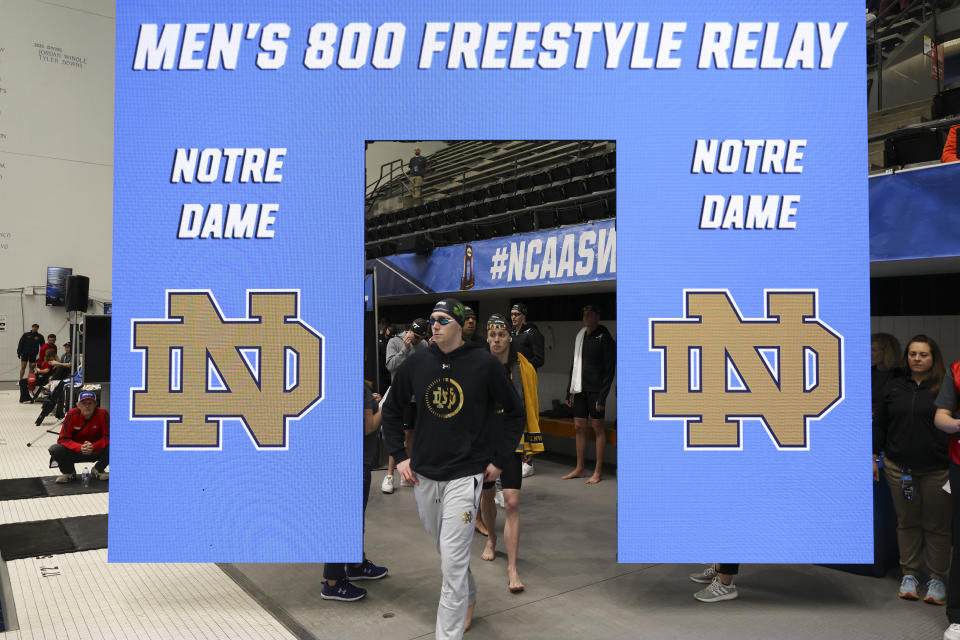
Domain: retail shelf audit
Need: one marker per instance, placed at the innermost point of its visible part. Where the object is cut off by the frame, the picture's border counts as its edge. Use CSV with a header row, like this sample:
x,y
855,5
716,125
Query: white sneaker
x,y
952,632
527,470
387,486
498,499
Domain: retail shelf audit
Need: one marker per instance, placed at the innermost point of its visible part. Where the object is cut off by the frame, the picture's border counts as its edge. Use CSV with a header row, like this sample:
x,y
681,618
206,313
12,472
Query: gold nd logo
x,y
719,368
200,368
444,397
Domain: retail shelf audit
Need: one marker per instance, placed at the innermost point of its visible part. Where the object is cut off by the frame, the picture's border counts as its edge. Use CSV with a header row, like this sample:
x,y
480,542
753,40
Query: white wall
x,y
56,118
944,329
56,157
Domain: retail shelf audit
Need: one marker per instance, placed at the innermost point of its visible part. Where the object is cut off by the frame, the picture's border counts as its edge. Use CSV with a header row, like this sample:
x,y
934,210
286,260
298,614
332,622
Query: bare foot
x,y
489,550
481,528
595,478
576,473
513,582
469,620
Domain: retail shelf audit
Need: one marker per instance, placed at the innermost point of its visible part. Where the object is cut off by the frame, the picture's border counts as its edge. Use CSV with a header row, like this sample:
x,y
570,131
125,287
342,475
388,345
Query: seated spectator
x,y
84,437
949,153
45,367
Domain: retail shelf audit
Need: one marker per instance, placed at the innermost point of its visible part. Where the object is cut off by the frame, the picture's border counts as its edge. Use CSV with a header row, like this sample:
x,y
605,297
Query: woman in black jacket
x,y
916,465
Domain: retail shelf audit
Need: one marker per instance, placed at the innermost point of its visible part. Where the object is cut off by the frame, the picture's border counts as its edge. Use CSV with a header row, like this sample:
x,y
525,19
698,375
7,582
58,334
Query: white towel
x,y
576,385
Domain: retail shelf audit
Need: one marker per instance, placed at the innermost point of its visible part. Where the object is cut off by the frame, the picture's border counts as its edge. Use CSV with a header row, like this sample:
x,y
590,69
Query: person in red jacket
x,y
84,437
949,153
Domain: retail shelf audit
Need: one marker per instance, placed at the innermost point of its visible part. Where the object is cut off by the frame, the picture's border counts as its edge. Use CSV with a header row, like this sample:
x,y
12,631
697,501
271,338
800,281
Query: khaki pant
x,y
926,517
415,183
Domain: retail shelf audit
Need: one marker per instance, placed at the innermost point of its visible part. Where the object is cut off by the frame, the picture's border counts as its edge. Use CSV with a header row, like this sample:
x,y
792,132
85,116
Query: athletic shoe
x,y
99,475
387,486
366,570
716,591
952,632
64,478
498,499
527,470
936,592
404,483
908,588
343,591
706,576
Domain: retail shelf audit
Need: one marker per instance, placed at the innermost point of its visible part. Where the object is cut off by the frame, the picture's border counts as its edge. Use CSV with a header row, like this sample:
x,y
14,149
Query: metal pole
x,y
73,357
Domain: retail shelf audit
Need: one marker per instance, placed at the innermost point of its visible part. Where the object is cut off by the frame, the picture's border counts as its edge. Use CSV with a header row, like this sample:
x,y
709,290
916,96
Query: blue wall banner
x,y
579,253
912,213
239,260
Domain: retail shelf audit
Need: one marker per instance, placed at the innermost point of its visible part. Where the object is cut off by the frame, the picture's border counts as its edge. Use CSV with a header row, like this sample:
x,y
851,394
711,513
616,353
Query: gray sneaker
x,y
716,591
909,588
706,576
936,592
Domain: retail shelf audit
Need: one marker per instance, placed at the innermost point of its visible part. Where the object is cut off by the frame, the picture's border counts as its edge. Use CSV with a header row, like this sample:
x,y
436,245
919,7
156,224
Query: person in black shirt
x,y
458,387
28,347
591,376
418,168
527,339
916,464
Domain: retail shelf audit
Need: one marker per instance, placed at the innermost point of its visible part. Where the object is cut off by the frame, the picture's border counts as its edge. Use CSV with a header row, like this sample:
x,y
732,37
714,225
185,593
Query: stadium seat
x,y
568,215
579,168
576,188
524,183
597,183
552,194
546,219
559,174
597,163
524,222
468,232
594,210
541,179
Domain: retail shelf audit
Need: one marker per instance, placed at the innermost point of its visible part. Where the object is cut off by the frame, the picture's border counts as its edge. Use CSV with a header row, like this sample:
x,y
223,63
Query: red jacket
x,y
43,351
949,153
76,430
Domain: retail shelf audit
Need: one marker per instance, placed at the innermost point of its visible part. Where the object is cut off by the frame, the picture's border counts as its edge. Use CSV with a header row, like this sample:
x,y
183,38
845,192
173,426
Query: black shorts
x,y
28,359
585,404
512,476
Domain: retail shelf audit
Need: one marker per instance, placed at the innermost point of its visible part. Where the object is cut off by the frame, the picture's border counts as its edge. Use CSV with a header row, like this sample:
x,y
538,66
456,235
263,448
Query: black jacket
x,y
529,341
456,396
904,429
29,345
599,365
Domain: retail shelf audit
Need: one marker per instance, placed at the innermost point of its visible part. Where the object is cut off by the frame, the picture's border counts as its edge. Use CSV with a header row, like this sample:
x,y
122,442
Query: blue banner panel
x,y
746,432
238,259
579,253
913,213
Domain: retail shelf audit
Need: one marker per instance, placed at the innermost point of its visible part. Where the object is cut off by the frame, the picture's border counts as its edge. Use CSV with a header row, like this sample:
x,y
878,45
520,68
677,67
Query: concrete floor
x,y
575,588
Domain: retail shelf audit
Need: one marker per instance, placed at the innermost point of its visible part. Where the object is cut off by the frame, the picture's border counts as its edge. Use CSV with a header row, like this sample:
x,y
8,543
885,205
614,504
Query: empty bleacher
x,y
482,189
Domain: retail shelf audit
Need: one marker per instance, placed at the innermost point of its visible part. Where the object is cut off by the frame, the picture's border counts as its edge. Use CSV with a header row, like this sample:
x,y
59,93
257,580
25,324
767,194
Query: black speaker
x,y
96,349
78,291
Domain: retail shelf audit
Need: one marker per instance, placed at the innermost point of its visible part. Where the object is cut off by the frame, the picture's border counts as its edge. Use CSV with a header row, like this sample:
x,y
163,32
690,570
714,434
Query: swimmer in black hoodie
x,y
457,385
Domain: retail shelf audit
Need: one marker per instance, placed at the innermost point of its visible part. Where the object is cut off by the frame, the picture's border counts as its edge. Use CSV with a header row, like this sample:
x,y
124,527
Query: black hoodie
x,y
456,394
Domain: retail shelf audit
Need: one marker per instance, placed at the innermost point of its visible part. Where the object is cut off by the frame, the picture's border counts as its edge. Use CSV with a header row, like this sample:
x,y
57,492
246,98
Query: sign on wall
x,y
238,259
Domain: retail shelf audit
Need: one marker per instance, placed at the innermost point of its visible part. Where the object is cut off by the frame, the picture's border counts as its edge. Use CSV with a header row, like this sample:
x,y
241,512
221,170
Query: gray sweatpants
x,y
448,510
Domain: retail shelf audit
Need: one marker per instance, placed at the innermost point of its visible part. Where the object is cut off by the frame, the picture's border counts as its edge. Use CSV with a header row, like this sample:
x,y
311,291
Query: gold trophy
x,y
467,281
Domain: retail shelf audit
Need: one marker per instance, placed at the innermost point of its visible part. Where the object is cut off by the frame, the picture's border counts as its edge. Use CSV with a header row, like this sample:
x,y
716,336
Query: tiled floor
x,y
79,595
